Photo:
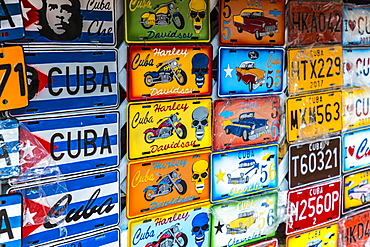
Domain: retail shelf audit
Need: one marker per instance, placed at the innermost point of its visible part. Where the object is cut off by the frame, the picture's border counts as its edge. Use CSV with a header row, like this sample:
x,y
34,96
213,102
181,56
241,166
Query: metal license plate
x,y
11,211
355,151
356,193
159,71
355,25
356,107
356,67
79,205
354,229
106,239
188,226
240,222
248,71
257,22
314,22
249,121
324,236
313,115
77,144
164,127
314,69
69,80
167,21
313,206
11,26
314,161
10,165
74,22
240,172
268,243
156,185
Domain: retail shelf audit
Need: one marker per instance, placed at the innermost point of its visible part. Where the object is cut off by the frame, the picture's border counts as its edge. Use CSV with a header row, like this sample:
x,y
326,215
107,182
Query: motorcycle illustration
x,y
162,17
170,236
165,185
167,72
165,129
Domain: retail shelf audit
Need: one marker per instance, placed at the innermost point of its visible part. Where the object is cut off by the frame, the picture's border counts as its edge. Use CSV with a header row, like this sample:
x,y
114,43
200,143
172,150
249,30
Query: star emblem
x,y
25,11
28,149
220,176
228,71
28,217
219,227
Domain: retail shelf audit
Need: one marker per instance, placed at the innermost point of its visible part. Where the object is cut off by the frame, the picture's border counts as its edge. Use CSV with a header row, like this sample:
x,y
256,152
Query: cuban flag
x,y
9,148
11,220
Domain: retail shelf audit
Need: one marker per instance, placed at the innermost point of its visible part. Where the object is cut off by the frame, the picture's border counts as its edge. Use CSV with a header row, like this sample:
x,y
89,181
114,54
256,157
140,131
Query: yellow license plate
x,y
13,82
356,108
164,127
313,115
314,69
325,236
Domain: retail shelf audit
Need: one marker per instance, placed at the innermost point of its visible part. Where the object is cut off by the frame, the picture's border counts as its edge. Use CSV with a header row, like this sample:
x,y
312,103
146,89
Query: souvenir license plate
x,y
249,121
325,236
47,207
9,148
314,161
356,108
313,115
354,229
11,212
239,222
76,144
245,71
314,22
82,22
160,71
167,21
355,191
356,153
11,20
156,185
268,243
259,22
356,67
355,25
164,127
70,80
314,69
189,226
241,172
111,238
313,206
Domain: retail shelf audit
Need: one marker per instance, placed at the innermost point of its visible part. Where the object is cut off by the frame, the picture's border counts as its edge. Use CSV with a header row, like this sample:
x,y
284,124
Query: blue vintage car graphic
x,y
247,168
246,126
360,192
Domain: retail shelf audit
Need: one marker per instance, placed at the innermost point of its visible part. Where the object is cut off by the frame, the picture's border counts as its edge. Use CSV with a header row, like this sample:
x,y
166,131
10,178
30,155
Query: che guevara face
x,y
58,15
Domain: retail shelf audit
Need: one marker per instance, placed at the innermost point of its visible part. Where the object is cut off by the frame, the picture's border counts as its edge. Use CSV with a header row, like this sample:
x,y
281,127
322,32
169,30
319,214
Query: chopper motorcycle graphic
x,y
168,71
166,184
165,13
166,128
169,237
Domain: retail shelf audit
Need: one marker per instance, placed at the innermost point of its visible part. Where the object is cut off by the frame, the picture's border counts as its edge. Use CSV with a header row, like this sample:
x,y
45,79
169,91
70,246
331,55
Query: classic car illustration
x,y
241,224
250,75
253,21
246,126
360,192
247,168
314,243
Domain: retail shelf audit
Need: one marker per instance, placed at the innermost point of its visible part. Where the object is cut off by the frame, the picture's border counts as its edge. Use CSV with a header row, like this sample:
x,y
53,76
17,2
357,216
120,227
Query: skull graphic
x,y
197,13
200,120
200,174
200,227
200,68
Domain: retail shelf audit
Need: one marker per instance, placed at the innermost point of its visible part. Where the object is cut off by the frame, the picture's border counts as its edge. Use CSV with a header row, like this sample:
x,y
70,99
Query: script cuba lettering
x,y
138,62
273,61
139,235
138,178
175,217
138,119
97,5
173,107
53,217
363,150
134,4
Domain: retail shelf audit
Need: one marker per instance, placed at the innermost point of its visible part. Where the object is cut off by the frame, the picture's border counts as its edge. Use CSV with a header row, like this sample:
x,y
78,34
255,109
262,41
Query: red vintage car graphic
x,y
250,75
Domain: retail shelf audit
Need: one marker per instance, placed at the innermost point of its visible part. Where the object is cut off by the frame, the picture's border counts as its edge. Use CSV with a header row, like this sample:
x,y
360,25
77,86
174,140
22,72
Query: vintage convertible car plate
x,y
104,239
248,71
356,25
79,205
356,107
11,212
69,22
167,21
312,69
313,115
324,236
240,172
11,27
188,226
156,185
313,206
69,80
314,22
354,229
356,67
163,71
247,121
238,223
259,22
164,127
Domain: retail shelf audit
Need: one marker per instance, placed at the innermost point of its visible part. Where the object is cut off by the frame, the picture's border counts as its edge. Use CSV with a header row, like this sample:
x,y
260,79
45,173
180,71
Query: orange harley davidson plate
x,y
251,22
164,127
156,185
162,71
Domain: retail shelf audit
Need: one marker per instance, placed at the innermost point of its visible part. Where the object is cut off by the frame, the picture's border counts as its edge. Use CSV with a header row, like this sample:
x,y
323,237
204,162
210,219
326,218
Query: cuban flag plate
x,y
9,149
11,220
11,21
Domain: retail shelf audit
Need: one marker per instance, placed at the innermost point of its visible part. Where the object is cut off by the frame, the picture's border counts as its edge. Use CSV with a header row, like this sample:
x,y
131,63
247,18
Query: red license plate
x,y
355,229
313,206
